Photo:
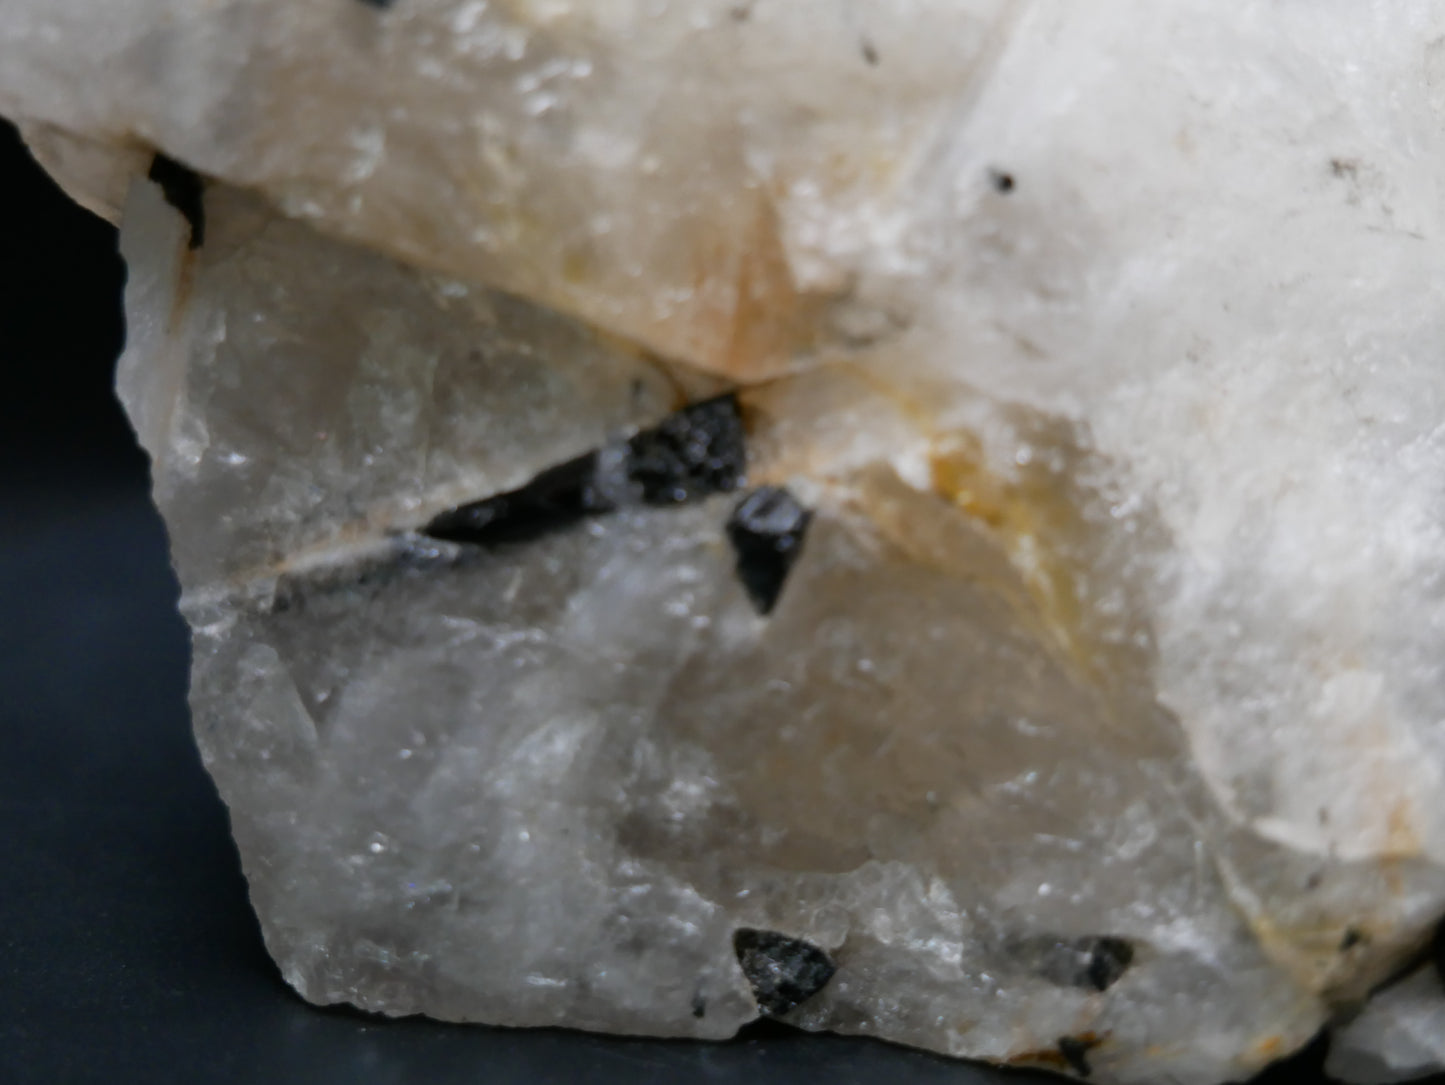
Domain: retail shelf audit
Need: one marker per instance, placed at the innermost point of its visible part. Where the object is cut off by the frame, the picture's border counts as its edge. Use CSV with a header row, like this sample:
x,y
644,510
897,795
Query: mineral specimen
x,y
916,517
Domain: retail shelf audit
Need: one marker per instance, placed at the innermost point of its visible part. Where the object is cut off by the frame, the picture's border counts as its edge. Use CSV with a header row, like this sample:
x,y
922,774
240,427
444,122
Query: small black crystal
x,y
1096,962
766,530
1076,1053
693,453
783,972
1109,959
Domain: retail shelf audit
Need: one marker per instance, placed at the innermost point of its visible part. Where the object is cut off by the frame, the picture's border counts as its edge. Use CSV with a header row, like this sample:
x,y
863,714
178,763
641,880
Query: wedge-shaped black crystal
x,y
767,530
783,972
557,498
696,452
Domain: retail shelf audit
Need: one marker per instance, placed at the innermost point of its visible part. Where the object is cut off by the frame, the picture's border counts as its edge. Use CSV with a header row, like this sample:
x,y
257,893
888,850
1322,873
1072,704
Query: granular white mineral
x,y
915,517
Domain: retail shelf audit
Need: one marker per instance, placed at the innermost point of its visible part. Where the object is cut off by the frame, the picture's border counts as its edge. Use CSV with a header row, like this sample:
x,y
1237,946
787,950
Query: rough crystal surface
x,y
1045,645
1399,1036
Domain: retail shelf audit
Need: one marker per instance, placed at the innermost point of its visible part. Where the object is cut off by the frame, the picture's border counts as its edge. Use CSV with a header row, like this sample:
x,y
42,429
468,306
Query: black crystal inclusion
x,y
783,972
693,453
1075,1051
556,498
766,530
1095,963
1108,959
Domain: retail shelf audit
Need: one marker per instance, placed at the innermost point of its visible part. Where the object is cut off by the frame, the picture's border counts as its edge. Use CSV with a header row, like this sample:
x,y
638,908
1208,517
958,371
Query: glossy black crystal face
x,y
767,530
555,499
783,972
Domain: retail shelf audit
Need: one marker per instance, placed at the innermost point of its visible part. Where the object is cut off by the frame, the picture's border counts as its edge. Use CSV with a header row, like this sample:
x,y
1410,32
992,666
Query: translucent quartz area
x,y
545,782
1399,1036
1053,679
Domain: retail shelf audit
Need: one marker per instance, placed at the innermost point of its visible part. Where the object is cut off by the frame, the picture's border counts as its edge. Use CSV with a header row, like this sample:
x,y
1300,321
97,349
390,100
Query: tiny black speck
x,y
699,1006
767,530
184,190
783,972
380,5
1002,182
1076,1054
870,52
1351,939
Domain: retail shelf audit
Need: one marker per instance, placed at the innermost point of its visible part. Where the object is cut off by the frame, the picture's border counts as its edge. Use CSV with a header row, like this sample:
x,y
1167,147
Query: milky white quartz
x,y
1100,349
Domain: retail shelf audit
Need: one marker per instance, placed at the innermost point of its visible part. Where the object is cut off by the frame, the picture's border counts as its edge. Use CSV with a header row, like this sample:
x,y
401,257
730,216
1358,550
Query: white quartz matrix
x,y
1082,367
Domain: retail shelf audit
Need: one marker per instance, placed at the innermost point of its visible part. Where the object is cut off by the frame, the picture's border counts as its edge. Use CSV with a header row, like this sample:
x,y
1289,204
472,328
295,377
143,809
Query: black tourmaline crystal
x,y
766,531
783,972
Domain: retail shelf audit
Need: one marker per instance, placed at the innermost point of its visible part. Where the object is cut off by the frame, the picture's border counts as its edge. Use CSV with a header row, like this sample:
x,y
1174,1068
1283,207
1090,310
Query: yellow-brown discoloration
x,y
771,322
185,286
1035,514
1403,836
1026,511
1268,1048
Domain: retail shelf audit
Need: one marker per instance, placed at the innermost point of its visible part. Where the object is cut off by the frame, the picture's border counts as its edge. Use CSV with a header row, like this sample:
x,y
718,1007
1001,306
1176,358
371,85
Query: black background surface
x,y
128,951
